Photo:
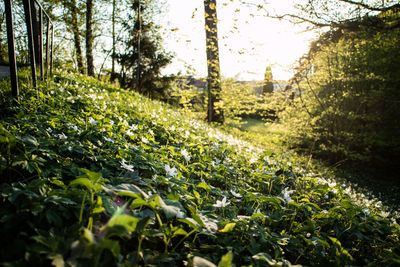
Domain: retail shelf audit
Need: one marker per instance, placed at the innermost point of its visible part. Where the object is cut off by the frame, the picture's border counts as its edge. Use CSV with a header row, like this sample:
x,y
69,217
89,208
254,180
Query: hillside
x,y
92,175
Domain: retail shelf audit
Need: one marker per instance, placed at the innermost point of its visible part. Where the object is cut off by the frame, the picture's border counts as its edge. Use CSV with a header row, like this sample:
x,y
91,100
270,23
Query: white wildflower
x,y
126,166
221,204
49,130
185,154
73,127
129,132
367,212
144,140
92,121
62,136
170,171
237,195
108,139
151,132
286,194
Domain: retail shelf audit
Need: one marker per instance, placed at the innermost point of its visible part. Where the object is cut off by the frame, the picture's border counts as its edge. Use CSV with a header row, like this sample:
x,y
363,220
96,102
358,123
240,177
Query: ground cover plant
x,y
96,176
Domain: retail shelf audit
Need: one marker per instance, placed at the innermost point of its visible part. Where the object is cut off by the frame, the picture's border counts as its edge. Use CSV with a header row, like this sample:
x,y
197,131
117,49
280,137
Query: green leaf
x,y
191,222
228,228
88,237
128,194
257,215
98,210
85,182
173,197
139,202
265,257
30,140
128,222
204,186
180,231
57,260
95,177
172,210
226,260
111,245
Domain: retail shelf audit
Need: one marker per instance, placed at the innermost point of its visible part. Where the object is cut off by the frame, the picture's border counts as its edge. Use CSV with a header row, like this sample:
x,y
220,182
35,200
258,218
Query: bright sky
x,y
248,41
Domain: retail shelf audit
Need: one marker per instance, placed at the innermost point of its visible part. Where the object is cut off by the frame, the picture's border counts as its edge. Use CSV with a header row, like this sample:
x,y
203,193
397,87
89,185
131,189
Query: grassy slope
x,y
272,137
74,153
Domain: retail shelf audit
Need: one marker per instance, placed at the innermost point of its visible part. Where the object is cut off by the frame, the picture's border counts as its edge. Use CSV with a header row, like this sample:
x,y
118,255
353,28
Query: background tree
x,y
214,111
350,105
89,37
337,13
71,17
268,86
152,58
113,49
2,47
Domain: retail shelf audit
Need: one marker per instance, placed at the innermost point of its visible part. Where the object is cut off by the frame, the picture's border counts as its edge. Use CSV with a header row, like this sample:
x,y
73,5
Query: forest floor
x,y
92,175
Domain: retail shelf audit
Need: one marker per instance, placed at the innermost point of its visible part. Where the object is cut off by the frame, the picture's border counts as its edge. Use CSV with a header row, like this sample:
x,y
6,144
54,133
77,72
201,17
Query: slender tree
x,y
113,53
144,76
89,37
268,86
73,24
1,43
214,113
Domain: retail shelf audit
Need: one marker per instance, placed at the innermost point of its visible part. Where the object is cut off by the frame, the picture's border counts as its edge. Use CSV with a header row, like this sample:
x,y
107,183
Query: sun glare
x,y
248,41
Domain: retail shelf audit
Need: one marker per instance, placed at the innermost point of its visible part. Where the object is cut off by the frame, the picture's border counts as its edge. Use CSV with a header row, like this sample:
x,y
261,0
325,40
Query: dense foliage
x,y
96,176
349,106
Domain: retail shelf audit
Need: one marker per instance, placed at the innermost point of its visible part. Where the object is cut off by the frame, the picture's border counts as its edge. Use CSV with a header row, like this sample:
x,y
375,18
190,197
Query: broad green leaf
x,y
228,228
123,220
204,186
265,257
111,245
93,176
273,200
98,210
85,182
172,210
58,261
226,260
139,202
128,194
180,231
191,222
30,140
173,197
88,237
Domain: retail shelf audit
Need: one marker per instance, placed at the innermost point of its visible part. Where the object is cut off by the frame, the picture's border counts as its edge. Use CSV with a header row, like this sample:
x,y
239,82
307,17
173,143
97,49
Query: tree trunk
x,y
1,44
113,76
89,37
214,114
77,39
